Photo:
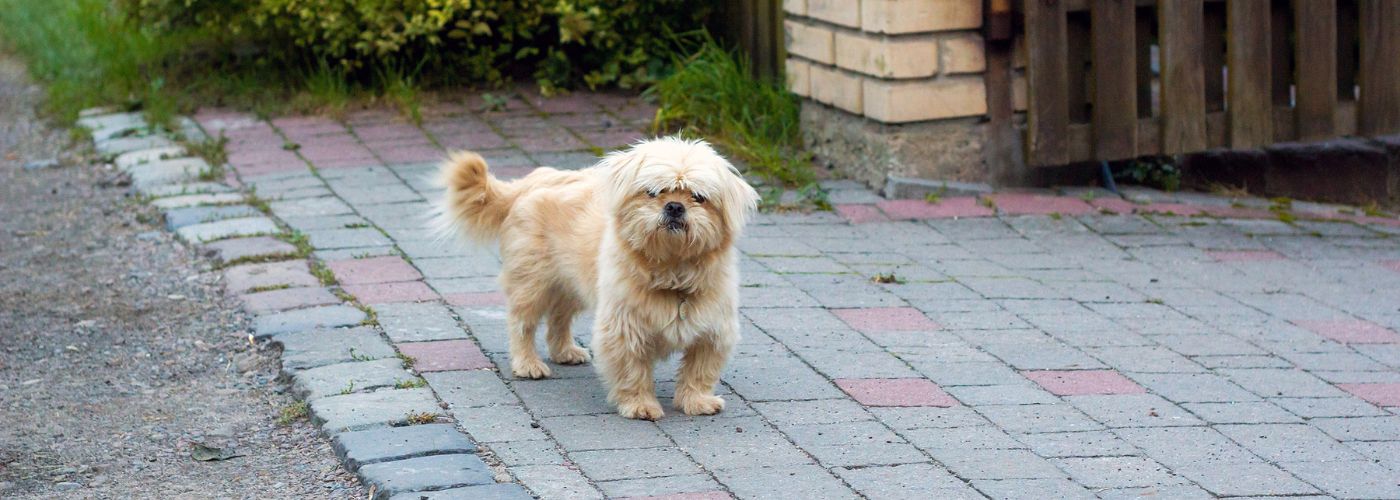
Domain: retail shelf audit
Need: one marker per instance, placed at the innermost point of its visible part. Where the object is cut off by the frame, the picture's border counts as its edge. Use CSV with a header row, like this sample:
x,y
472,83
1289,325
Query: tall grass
x,y
711,94
87,55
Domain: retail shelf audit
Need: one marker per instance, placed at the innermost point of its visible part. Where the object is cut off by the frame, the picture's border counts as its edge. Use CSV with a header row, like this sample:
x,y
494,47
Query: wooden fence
x,y
1119,79
755,27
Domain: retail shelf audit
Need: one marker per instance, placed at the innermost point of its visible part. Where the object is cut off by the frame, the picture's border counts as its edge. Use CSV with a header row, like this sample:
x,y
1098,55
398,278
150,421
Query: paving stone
x,y
1177,492
1387,394
732,443
307,319
822,411
608,465
406,322
1077,444
1133,410
310,207
555,481
886,319
1347,479
1288,443
181,217
1031,488
996,464
1041,356
115,147
507,491
1010,394
1191,387
492,424
1241,479
373,270
444,355
361,448
981,437
1082,382
247,277
430,473
130,159
228,228
751,377
186,188
1328,407
470,389
387,293
166,172
896,392
1351,331
513,453
564,396
1282,383
806,481
1117,472
598,432
359,237
343,378
1360,429
1181,446
686,487
904,481
258,247
1248,412
302,349
194,200
353,412
287,298
926,417
1038,418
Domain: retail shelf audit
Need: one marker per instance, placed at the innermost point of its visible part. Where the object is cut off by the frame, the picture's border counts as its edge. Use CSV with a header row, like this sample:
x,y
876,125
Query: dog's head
x,y
676,198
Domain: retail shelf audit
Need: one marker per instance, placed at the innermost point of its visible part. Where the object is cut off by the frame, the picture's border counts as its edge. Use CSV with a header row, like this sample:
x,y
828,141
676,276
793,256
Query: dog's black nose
x,y
675,209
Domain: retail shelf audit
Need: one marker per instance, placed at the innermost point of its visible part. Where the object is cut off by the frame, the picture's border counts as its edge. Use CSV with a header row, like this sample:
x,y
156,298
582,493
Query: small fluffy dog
x,y
645,237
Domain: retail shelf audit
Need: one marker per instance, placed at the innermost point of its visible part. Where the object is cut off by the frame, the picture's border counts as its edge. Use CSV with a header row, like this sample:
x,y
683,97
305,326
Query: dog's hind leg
x,y
523,319
700,368
562,348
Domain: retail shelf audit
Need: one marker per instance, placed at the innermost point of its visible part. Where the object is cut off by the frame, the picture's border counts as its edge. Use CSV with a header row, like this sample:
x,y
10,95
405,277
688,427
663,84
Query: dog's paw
x,y
641,410
533,368
572,355
700,404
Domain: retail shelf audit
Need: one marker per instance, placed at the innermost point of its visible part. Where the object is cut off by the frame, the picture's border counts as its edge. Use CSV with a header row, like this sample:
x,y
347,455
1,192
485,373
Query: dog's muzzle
x,y
673,217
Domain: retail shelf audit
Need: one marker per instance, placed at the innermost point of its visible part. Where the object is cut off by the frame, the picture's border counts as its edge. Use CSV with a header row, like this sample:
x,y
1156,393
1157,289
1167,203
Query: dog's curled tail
x,y
476,203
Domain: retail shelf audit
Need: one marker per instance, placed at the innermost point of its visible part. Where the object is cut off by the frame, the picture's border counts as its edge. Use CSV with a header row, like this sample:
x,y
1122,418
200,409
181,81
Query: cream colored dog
x,y
646,238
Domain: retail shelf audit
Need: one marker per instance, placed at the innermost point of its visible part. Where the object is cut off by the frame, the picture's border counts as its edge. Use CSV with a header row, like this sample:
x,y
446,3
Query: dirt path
x,y
117,349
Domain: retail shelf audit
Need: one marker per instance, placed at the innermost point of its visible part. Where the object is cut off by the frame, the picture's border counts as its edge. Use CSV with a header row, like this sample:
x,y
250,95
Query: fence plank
x,y
1048,114
1379,73
1183,76
1251,110
1213,52
1146,23
1316,51
1115,79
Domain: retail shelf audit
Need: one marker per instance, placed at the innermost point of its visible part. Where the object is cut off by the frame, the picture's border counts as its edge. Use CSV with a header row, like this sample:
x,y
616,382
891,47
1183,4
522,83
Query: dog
x,y
646,237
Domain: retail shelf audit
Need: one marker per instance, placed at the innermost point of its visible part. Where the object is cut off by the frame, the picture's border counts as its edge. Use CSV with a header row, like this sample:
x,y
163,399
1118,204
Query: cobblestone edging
x,y
384,423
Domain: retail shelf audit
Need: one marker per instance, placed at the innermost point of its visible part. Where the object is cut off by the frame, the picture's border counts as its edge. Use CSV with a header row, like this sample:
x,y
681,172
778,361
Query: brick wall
x,y
893,61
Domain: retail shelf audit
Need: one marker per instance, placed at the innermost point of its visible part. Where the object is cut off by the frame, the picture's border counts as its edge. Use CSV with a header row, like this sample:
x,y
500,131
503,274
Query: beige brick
x,y
1018,91
795,7
837,88
842,12
915,16
912,101
1018,53
799,76
915,57
811,42
964,53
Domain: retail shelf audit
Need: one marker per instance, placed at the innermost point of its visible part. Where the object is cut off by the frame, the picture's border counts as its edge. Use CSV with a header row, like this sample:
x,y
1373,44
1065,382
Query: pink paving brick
x,y
287,298
1393,265
1084,382
1114,205
476,299
860,214
896,392
704,495
886,319
1038,204
445,355
1243,255
412,153
373,270
246,277
473,141
384,293
1378,394
1238,213
1351,331
947,208
1181,209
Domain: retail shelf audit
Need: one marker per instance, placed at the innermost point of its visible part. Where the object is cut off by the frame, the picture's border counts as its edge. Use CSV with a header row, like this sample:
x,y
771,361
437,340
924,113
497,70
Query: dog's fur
x,y
601,237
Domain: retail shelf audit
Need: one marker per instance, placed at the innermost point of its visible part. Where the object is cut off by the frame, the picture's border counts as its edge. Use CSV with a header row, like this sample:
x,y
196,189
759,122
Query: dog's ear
x,y
743,198
622,167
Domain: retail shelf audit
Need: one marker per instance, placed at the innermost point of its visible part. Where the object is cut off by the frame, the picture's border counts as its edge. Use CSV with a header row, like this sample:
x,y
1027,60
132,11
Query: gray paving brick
x,y
838,364
752,378
1175,492
397,443
1077,444
803,481
926,417
470,389
853,443
821,411
181,217
353,412
564,396
1042,356
327,346
425,473
1328,407
1143,359
603,432
733,443
1241,479
1133,410
492,424
1348,479
513,453
1193,387
905,481
1360,429
996,464
975,373
480,492
1181,446
1117,472
331,239
1053,417
310,207
982,437
416,322
1031,488
278,324
660,486
1249,412
1017,394
555,481
608,465
1290,443
341,378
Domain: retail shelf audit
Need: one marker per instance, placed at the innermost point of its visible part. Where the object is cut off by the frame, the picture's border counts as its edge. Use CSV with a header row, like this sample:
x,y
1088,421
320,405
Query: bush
x,y
561,43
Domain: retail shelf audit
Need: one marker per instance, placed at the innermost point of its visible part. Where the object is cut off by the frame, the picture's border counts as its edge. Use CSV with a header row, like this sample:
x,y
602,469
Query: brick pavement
x,y
1036,345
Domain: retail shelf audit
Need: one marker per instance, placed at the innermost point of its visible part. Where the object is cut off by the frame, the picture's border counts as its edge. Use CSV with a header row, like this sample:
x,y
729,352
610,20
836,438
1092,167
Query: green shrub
x,y
561,43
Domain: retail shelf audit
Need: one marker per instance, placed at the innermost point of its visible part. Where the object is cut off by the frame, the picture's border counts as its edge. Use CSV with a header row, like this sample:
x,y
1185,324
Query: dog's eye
x,y
697,197
653,193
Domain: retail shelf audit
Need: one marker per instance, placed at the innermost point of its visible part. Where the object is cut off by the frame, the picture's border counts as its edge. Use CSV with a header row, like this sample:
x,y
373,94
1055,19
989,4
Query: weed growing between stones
x,y
420,418
411,384
349,388
323,273
293,412
887,279
266,288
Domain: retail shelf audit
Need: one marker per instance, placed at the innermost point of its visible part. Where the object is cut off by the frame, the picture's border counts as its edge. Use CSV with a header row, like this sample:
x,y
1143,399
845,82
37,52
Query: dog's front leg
x,y
700,368
623,356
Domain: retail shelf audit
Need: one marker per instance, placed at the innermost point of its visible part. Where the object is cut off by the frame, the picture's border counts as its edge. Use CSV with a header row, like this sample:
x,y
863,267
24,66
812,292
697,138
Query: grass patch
x,y
323,273
420,418
268,288
411,383
887,279
711,95
293,412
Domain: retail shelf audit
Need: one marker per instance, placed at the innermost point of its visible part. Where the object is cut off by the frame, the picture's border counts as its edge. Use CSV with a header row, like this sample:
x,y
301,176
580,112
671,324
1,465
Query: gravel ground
x,y
118,351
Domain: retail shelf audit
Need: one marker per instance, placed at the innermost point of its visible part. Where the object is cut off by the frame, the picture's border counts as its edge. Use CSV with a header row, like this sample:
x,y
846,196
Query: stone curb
x,y
359,393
